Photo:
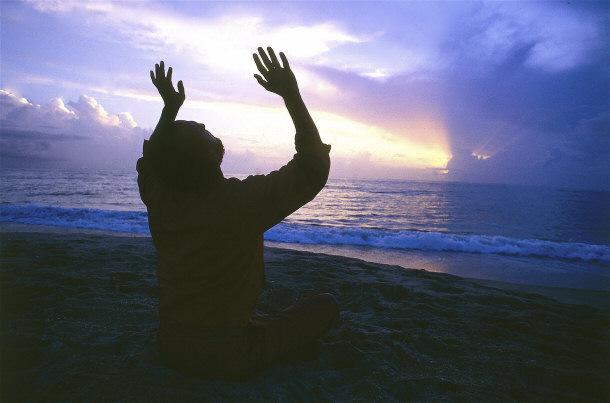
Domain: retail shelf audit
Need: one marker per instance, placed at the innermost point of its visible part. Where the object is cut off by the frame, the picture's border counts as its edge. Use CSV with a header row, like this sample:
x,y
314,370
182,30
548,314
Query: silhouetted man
x,y
208,231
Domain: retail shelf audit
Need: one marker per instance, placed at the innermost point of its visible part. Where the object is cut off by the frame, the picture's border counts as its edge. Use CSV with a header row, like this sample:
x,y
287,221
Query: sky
x,y
511,92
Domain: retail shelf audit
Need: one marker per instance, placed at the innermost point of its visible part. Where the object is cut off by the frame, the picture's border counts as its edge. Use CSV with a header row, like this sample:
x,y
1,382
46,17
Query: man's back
x,y
210,243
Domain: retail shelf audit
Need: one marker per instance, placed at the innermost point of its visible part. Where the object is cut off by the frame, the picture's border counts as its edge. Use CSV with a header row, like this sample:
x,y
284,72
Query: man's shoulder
x,y
244,189
243,182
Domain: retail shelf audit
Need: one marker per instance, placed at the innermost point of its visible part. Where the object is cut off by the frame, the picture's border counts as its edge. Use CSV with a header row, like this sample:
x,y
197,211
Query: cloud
x,y
88,110
80,134
213,40
221,37
518,84
576,158
68,5
558,36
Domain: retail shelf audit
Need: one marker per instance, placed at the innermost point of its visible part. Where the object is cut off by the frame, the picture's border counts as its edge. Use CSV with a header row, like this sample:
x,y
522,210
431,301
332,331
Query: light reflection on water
x,y
105,190
514,211
377,204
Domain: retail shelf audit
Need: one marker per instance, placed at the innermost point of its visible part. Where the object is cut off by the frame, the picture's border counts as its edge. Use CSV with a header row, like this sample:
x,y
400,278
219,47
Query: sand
x,y
79,315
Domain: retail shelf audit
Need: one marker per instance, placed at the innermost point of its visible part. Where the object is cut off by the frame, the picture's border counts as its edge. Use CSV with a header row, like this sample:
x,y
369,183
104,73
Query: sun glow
x,y
480,156
422,144
268,131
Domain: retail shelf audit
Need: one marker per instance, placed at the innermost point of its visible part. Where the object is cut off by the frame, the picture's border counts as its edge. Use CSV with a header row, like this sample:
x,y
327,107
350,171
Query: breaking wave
x,y
136,222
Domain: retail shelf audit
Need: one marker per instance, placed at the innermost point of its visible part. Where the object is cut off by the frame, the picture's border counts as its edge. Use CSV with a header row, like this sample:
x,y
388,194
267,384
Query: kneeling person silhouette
x,y
208,231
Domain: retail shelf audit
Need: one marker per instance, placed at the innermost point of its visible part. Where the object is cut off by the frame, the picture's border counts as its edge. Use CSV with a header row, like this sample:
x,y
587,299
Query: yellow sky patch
x,y
269,131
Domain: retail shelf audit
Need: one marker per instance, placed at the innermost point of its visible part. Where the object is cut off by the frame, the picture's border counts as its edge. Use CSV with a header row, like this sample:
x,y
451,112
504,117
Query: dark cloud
x,y
549,128
522,88
81,134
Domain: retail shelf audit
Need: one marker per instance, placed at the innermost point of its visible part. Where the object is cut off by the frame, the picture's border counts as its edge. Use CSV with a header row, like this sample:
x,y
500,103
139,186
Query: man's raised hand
x,y
172,98
275,77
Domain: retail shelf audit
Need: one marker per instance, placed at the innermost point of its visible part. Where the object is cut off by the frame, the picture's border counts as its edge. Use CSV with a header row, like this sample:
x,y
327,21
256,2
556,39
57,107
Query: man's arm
x,y
268,199
172,99
281,80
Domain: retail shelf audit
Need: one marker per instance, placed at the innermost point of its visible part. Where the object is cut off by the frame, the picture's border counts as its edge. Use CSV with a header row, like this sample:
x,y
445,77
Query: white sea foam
x,y
110,220
437,241
133,221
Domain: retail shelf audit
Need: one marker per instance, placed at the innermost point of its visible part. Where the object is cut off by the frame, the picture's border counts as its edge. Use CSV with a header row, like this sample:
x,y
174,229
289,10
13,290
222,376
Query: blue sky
x,y
501,92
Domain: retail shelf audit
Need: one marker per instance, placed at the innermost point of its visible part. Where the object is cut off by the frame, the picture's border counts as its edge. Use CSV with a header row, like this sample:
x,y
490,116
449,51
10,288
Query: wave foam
x,y
436,241
137,222
110,220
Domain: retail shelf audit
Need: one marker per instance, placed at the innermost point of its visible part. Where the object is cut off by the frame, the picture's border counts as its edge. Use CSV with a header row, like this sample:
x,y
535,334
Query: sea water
x,y
523,234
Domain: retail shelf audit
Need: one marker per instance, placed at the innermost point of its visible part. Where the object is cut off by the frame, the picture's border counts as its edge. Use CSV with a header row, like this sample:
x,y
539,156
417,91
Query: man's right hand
x,y
277,79
173,99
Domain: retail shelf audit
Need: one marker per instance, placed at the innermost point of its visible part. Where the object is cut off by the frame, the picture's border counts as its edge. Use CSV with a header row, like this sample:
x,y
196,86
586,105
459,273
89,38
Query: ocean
x,y
519,234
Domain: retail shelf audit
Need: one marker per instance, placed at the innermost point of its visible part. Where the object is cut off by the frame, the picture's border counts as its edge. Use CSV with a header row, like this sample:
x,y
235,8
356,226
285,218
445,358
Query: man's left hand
x,y
173,99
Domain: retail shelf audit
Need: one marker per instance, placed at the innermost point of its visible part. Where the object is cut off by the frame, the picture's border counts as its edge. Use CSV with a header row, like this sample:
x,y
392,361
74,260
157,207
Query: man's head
x,y
188,156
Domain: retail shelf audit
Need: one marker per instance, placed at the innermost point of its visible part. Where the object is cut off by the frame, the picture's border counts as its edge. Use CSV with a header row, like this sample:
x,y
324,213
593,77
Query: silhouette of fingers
x,y
274,60
262,82
265,58
152,77
169,75
259,65
160,71
181,89
284,60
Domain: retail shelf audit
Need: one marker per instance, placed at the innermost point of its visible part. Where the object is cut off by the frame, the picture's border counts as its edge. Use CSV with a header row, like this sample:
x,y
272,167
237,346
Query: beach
x,y
79,318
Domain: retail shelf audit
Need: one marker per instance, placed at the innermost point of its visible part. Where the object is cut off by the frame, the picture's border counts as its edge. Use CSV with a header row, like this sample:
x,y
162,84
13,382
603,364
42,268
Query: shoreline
x,y
598,298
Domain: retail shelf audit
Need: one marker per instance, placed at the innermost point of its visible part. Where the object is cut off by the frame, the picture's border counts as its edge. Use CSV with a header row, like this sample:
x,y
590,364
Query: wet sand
x,y
79,315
